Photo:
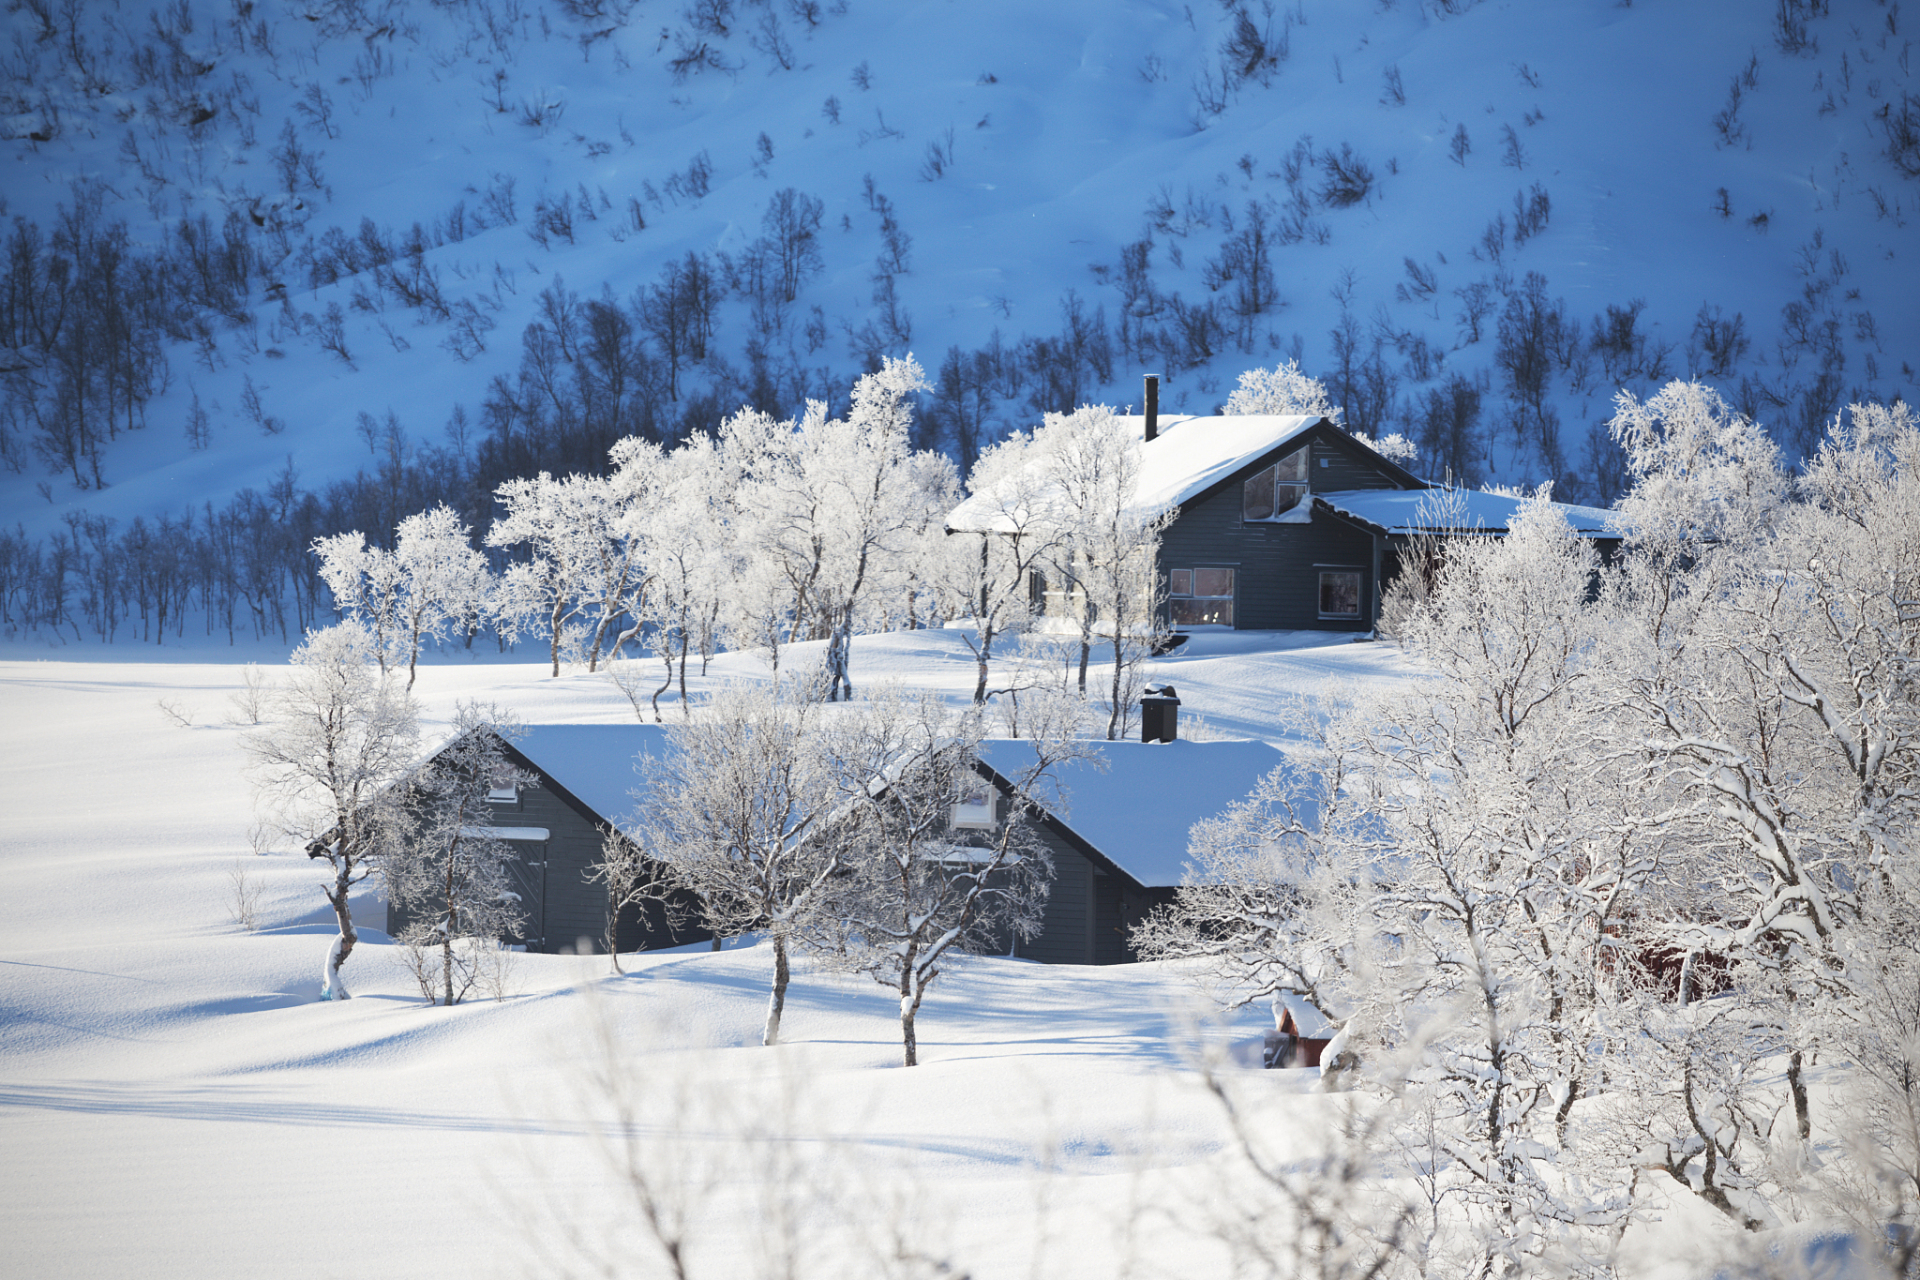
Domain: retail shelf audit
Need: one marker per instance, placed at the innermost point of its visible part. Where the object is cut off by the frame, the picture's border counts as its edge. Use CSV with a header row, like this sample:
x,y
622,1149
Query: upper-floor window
x,y
1276,490
508,794
973,807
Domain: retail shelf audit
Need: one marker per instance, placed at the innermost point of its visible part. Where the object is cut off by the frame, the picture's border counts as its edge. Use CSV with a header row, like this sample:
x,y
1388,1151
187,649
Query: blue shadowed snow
x,y
1139,811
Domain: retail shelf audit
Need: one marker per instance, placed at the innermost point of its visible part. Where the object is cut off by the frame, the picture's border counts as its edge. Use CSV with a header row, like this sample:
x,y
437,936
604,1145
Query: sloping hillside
x,y
446,244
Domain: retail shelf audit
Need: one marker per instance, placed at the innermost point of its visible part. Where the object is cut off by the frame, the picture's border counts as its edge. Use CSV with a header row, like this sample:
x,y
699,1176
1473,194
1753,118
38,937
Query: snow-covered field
x,y
175,1101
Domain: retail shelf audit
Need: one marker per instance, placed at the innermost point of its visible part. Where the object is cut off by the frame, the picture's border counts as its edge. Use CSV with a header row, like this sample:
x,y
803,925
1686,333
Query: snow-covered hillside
x,y
1477,222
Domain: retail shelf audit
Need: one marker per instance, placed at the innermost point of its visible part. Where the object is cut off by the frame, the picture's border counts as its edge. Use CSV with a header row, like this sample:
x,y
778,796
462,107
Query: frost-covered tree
x,y
576,560
832,516
432,581
1283,389
1287,389
1262,913
1780,653
985,571
340,732
741,809
445,582
872,503
923,890
1106,552
451,873
684,539
368,585
1448,880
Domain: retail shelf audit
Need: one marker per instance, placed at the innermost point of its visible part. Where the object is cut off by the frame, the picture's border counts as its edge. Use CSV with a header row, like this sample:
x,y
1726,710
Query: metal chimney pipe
x,y
1159,714
1153,405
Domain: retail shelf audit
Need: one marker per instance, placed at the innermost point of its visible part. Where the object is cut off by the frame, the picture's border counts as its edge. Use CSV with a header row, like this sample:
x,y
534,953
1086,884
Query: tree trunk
x,y
332,988
683,675
1798,1086
909,1006
553,631
777,999
667,656
448,924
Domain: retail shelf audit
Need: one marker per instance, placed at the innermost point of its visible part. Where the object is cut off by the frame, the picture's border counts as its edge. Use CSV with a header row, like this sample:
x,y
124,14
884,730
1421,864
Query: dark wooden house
x,y
1118,837
1287,523
584,773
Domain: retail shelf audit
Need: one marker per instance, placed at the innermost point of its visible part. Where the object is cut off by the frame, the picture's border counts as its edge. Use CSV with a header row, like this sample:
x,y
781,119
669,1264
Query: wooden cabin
x,y
1286,522
584,775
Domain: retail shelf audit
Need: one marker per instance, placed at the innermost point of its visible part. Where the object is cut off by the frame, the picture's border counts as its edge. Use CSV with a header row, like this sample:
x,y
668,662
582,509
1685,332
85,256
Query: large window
x,y
1277,490
1340,593
1200,597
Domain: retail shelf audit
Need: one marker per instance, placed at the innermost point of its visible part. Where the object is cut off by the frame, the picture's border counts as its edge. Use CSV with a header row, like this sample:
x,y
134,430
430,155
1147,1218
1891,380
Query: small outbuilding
x,y
1302,1035
1118,833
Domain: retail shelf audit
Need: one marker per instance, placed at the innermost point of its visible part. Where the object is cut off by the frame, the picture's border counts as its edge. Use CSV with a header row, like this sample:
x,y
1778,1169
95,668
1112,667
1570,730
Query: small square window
x,y
974,807
503,795
1340,593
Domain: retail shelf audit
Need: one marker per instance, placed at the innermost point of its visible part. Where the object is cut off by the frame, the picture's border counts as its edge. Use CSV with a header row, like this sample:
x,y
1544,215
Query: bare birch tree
x,y
925,890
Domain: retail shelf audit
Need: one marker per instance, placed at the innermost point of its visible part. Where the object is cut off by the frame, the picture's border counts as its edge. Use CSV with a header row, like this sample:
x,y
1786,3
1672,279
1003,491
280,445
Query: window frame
x,y
1294,487
1191,595
975,808
1359,576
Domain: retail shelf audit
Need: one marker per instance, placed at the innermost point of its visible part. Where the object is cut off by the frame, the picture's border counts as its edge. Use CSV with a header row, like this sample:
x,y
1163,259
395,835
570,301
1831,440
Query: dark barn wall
x,y
1090,908
1066,922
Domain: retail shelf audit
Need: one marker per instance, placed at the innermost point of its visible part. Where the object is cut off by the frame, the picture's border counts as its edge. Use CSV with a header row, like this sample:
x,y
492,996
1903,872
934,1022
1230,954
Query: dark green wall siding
x,y
1277,566
1066,928
1276,578
566,912
1089,910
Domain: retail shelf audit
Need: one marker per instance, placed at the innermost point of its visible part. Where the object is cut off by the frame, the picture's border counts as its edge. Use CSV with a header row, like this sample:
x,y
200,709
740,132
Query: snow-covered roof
x,y
1186,456
1452,511
1308,1022
1138,812
593,761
